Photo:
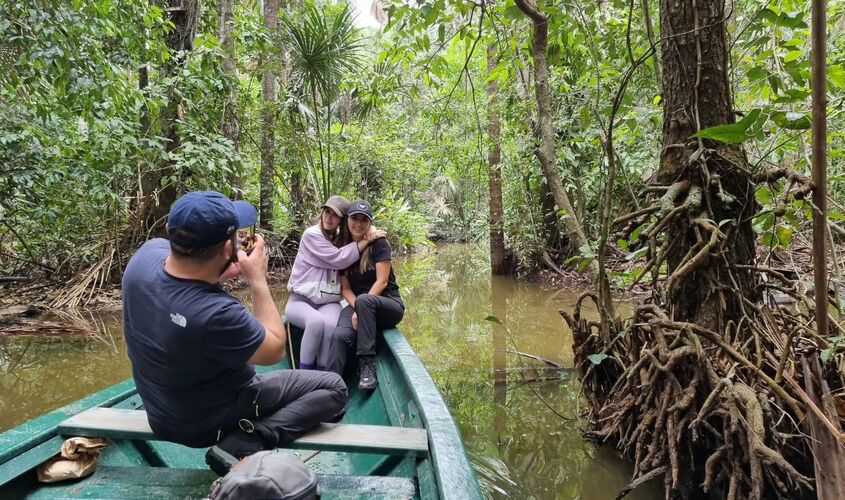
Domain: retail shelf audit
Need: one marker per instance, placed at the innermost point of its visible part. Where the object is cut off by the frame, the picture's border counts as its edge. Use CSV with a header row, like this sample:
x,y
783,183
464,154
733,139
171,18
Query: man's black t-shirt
x,y
362,282
189,343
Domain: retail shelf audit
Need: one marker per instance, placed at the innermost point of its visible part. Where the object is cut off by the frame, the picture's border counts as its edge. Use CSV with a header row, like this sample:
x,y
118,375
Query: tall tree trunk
x,y
713,233
158,198
144,123
230,127
143,83
498,261
545,151
268,132
554,240
300,197
651,40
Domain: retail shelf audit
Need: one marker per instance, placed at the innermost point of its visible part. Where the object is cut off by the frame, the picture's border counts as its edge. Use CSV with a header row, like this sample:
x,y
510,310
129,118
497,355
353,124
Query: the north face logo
x,y
178,319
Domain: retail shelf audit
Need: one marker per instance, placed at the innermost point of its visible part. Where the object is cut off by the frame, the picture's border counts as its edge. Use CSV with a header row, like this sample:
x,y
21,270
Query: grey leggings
x,y
318,321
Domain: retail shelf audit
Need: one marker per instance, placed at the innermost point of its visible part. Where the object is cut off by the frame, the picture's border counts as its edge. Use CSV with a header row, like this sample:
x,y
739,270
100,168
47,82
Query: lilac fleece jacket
x,y
315,269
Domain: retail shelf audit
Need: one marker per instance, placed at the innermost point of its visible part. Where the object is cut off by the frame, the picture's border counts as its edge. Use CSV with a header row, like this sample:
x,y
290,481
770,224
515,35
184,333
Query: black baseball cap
x,y
204,218
362,207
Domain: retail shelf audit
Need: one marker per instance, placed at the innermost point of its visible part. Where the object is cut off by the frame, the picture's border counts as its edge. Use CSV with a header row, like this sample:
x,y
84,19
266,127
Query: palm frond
x,y
323,45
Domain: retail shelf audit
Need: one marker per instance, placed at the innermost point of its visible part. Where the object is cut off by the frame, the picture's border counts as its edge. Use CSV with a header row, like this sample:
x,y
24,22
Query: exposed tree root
x,y
716,414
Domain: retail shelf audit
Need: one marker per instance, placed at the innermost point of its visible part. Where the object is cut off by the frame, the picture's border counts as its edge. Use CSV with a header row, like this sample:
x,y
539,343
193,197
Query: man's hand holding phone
x,y
253,264
246,238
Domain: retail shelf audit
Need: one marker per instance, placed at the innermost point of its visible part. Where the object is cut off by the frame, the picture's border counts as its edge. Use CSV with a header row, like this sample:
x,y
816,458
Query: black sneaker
x,y
367,380
231,449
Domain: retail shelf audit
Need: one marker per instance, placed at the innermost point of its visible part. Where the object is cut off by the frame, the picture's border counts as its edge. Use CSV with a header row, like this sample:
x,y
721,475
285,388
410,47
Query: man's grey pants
x,y
283,405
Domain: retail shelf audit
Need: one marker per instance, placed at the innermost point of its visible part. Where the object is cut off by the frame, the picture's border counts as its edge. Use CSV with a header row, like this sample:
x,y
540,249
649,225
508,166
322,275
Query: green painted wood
x,y
30,434
119,423
455,476
134,482
427,480
380,407
366,487
29,459
407,398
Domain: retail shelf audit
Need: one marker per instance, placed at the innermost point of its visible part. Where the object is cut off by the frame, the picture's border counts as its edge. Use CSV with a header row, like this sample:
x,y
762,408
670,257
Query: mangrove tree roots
x,y
734,414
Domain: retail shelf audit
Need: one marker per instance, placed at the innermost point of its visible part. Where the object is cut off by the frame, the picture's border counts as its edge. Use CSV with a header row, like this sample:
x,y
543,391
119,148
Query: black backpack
x,y
267,474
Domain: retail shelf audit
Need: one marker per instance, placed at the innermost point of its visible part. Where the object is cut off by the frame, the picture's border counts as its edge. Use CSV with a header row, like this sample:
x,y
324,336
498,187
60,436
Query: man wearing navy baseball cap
x,y
193,346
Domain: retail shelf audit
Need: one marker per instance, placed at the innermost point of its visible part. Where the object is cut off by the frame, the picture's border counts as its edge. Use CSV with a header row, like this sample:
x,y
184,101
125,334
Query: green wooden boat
x,y
414,452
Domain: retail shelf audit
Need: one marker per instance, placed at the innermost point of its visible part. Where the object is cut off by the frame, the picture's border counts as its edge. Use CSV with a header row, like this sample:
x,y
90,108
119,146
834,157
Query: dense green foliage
x,y
394,113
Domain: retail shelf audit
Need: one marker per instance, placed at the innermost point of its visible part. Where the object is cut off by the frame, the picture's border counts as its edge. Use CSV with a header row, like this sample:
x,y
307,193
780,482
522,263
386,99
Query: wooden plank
x,y
132,424
365,438
108,423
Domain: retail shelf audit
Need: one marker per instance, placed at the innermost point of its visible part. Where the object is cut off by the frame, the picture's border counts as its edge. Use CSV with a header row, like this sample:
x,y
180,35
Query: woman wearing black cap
x,y
369,286
314,301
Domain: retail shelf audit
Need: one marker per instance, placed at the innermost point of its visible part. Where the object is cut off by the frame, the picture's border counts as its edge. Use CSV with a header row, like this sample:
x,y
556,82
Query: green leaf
x,y
784,19
791,95
637,253
765,221
583,263
784,235
597,358
764,195
513,12
826,354
585,117
731,134
586,251
792,56
792,121
836,75
493,319
757,73
635,235
768,239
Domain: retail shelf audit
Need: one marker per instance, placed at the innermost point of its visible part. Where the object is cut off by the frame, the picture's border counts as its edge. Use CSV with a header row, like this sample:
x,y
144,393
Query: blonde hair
x,y
365,259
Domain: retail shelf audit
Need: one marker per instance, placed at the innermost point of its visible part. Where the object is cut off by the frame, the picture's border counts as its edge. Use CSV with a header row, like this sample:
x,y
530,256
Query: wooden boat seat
x,y
132,424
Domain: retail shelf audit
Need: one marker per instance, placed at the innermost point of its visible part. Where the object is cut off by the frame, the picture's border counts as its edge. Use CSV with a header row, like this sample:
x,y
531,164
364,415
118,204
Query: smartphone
x,y
246,238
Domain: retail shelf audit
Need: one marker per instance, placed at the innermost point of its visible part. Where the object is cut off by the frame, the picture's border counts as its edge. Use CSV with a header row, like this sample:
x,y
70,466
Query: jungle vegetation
x,y
670,136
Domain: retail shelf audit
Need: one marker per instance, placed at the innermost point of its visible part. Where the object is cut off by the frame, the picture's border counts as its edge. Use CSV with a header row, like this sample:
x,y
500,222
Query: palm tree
x,y
323,45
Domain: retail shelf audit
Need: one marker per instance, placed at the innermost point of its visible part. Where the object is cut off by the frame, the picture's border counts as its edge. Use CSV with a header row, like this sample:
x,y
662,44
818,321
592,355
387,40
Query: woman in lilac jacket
x,y
314,285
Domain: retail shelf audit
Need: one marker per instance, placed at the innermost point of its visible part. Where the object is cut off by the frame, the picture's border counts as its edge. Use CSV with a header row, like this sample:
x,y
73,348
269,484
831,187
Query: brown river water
x,y
519,421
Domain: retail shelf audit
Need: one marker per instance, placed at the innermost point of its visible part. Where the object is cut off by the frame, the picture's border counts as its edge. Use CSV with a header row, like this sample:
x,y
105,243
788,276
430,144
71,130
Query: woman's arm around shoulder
x,y
318,251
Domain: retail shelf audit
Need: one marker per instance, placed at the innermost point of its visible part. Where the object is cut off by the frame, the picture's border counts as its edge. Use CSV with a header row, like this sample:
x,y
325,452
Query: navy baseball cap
x,y
204,218
362,207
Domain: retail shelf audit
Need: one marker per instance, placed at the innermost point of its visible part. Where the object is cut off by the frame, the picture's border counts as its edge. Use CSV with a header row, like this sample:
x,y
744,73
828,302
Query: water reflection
x,y
40,374
523,436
